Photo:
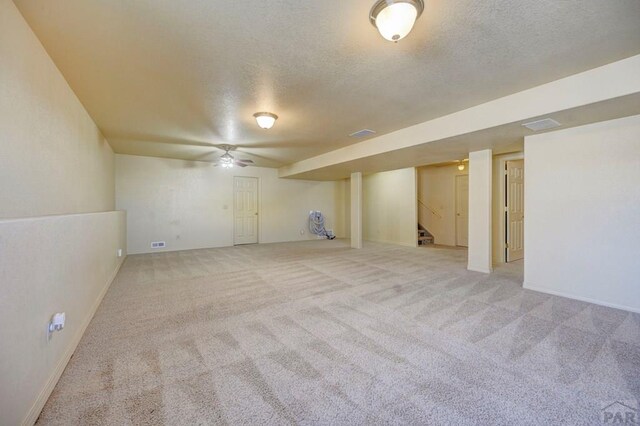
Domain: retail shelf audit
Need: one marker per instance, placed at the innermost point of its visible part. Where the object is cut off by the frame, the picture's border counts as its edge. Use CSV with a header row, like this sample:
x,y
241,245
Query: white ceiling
x,y
172,78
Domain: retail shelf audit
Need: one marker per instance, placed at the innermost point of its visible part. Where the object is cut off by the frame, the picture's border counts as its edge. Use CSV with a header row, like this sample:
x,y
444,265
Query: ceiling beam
x,y
600,87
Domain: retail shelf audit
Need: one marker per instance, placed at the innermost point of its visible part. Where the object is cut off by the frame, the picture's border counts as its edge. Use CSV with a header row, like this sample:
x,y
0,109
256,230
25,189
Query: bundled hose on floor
x,y
316,225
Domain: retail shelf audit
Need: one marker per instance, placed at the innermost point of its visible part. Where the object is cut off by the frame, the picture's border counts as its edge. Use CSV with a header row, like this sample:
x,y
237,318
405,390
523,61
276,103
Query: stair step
x,y
424,237
429,239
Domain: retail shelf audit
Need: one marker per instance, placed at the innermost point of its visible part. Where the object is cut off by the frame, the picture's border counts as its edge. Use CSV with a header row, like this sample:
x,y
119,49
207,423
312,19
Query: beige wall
x,y
53,159
437,189
390,207
189,204
582,213
55,256
48,265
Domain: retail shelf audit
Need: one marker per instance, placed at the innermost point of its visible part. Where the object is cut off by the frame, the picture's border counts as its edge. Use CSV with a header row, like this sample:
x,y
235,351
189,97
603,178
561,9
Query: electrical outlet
x,y
57,322
119,252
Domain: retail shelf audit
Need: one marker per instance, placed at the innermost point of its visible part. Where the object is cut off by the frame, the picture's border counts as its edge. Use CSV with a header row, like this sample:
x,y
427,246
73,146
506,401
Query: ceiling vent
x,y
362,133
544,124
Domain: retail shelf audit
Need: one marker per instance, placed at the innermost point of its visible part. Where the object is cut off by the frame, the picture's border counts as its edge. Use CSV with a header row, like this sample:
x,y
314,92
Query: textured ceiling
x,y
174,77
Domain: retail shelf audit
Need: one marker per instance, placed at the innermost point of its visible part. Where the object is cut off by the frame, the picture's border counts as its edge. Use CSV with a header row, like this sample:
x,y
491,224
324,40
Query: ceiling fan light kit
x,y
394,19
265,120
228,161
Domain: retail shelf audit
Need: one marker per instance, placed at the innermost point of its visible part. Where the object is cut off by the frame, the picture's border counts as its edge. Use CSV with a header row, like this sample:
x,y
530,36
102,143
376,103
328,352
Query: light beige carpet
x,y
318,333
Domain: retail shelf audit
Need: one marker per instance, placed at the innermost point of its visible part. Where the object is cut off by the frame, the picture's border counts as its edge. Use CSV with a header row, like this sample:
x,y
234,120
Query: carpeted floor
x,y
317,333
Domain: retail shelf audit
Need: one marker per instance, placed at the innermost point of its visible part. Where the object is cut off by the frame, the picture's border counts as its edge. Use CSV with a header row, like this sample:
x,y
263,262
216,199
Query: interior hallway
x,y
315,332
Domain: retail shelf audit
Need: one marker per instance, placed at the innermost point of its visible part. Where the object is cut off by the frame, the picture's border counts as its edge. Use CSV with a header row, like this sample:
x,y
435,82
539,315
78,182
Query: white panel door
x,y
245,210
462,211
515,210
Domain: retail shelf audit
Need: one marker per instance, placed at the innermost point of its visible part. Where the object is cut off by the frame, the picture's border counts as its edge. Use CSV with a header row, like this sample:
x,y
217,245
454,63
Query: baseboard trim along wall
x,y
530,286
482,269
397,243
38,405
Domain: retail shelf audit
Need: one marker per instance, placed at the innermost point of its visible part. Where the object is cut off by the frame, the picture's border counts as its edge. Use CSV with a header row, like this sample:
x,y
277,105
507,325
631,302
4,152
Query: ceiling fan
x,y
227,160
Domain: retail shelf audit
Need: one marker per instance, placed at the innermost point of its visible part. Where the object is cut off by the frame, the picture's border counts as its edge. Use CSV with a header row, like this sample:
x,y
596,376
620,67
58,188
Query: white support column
x,y
356,210
479,254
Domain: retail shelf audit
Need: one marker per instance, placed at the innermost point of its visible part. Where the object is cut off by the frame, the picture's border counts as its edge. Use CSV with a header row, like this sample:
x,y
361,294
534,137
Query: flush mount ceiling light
x,y
266,120
395,18
460,165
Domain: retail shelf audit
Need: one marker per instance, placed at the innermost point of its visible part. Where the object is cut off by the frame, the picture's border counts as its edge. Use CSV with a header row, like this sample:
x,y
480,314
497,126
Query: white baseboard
x,y
530,286
482,269
396,243
44,394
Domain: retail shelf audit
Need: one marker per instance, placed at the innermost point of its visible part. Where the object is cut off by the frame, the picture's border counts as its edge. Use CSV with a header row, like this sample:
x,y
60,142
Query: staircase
x,y
426,216
424,237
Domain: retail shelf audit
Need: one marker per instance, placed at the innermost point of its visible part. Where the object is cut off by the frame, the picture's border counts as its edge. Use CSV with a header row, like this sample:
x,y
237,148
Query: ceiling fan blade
x,y
244,160
239,164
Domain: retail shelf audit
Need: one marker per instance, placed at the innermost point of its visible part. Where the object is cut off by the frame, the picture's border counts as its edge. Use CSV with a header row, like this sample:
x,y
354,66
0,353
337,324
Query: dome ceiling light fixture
x,y
395,18
265,120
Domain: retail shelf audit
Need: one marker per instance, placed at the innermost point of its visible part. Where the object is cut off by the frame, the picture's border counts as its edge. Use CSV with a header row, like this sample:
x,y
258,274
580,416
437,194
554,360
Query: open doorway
x,y
514,210
443,203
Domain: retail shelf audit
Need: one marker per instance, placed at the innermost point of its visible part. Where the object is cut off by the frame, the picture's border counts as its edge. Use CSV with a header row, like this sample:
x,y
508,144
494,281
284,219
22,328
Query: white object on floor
x,y
316,225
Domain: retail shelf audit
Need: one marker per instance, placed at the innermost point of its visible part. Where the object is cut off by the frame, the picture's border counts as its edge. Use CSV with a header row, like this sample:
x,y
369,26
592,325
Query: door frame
x,y
455,208
502,179
233,212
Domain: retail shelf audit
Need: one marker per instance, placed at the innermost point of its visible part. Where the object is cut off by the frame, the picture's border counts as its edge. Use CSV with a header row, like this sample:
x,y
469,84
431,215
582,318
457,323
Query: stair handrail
x,y
435,213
